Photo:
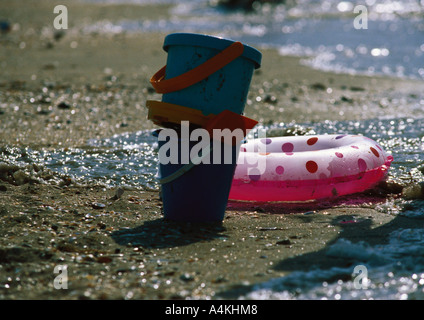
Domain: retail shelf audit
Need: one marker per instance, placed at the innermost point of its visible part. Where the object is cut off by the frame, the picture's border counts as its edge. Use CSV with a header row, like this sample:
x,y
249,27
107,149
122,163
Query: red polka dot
x,y
279,170
266,141
354,147
287,147
339,155
311,166
243,149
312,141
254,177
362,165
254,174
375,152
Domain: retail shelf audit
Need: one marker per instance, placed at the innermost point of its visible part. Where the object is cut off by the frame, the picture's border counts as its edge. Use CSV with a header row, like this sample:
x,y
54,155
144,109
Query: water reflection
x,y
131,159
322,31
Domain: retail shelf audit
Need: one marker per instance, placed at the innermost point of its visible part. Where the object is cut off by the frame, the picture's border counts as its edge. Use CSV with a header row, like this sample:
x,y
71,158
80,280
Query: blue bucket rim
x,y
213,42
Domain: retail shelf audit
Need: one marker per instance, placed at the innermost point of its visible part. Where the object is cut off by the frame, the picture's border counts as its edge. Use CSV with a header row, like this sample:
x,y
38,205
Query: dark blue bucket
x,y
197,193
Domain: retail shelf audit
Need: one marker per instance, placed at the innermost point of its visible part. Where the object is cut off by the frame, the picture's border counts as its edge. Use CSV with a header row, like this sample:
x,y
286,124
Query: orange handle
x,y
197,74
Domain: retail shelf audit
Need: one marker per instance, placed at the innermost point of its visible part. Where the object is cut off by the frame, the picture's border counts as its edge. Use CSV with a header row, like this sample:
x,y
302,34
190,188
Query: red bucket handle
x,y
197,74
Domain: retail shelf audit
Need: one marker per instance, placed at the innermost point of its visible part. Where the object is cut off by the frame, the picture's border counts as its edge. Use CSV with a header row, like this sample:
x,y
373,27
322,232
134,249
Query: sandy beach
x,y
60,89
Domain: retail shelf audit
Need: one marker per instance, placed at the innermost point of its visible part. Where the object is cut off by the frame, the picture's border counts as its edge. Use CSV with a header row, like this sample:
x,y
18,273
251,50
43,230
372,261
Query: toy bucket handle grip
x,y
197,74
185,168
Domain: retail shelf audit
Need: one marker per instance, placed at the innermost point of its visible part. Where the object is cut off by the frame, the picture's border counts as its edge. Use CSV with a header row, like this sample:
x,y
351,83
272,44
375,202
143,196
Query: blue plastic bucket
x,y
225,89
200,193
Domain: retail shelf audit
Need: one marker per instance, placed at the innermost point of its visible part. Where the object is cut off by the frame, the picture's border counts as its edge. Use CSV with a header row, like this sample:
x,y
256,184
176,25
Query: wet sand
x,y
57,90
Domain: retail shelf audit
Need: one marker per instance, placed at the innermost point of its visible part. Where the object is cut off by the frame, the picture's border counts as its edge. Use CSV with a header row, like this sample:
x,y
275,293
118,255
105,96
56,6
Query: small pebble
x,y
270,99
346,99
104,259
101,226
284,242
186,277
98,205
219,279
318,86
269,228
20,177
64,105
5,26
118,194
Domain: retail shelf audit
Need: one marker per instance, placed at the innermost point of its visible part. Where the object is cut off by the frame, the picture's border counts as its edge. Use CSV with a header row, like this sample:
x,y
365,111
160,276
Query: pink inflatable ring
x,y
302,168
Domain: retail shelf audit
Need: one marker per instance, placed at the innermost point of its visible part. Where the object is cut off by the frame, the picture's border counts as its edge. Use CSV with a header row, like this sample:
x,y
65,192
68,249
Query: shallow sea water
x,y
393,272
131,159
321,31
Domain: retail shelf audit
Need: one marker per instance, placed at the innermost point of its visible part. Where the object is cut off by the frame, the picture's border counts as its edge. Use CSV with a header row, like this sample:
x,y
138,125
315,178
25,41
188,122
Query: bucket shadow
x,y
162,233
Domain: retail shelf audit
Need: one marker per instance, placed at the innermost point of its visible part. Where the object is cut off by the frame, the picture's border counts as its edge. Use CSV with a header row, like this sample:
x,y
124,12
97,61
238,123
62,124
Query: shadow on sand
x,y
354,230
162,233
